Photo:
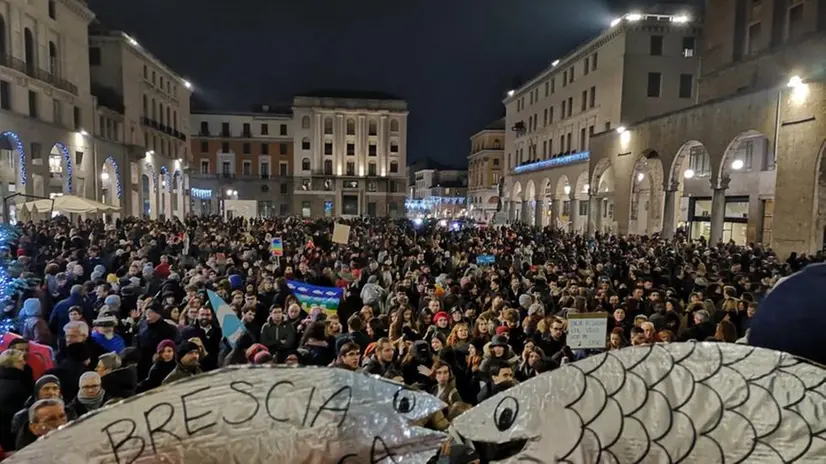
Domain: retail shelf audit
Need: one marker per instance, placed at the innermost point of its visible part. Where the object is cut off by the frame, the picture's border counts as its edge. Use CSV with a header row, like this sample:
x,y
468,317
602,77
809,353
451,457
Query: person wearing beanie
x,y
46,387
163,363
501,330
441,324
114,303
791,318
497,351
187,363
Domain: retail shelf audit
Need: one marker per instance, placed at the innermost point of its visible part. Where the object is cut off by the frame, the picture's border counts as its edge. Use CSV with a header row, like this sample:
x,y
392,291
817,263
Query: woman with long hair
x,y
459,336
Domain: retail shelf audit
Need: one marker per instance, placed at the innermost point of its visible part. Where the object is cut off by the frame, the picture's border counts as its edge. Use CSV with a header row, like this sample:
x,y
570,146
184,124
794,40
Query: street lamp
x,y
104,176
640,177
510,93
688,174
737,165
621,129
83,132
567,189
187,84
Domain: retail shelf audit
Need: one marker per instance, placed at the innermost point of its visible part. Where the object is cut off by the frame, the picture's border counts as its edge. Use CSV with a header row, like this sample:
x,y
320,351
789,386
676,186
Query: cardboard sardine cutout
x,y
251,415
665,403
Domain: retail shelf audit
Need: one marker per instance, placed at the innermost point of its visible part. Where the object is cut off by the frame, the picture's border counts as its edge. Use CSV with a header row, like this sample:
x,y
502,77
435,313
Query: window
x,y
570,106
372,128
594,58
265,149
305,122
76,119
592,98
225,129
563,109
328,167
582,140
351,149
145,72
94,56
305,164
351,168
686,85
283,190
283,129
551,115
753,43
283,169
793,27
351,127
586,66
654,84
699,162
688,47
656,46
544,149
5,95
328,125
247,148
553,85
545,117
394,167
33,104
371,149
371,169
305,143
246,168
283,149
52,9
78,158
394,126
306,210
328,148
584,100
568,143
245,131
583,208
547,87
564,78
265,129
204,166
224,147
204,146
265,169
571,76
394,188
748,155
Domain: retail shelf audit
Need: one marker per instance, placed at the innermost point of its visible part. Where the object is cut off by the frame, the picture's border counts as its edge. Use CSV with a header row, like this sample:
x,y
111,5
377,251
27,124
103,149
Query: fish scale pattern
x,y
697,403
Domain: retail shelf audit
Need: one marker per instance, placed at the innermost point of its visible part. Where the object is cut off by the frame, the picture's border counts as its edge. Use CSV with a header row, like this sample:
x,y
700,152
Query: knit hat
x,y
262,357
791,317
502,330
185,348
525,300
44,380
113,301
166,343
440,315
255,349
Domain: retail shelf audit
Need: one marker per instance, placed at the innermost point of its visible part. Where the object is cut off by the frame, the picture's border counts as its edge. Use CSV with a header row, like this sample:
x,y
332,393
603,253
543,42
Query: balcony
x,y
558,160
34,72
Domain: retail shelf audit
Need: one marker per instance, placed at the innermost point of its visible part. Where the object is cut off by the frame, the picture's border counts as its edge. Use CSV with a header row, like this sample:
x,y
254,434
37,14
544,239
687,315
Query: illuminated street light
x,y
187,84
554,62
83,132
640,177
104,176
688,174
567,189
511,92
621,129
633,17
586,188
615,21
795,82
737,165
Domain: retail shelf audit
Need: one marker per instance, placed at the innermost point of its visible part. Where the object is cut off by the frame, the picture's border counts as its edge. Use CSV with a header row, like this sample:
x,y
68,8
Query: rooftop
x,y
350,94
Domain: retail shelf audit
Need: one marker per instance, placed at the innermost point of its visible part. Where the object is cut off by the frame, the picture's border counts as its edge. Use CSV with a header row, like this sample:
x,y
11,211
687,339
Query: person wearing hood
x,y
499,352
119,381
105,336
91,395
13,393
33,327
163,363
188,356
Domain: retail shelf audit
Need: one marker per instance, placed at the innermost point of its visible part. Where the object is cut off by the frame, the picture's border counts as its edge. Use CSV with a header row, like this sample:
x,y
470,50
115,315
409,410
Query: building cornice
x,y
487,131
134,47
79,8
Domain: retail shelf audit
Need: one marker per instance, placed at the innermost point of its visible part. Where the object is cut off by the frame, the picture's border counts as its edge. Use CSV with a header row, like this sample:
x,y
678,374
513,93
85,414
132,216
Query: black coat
x,y
157,373
147,340
13,395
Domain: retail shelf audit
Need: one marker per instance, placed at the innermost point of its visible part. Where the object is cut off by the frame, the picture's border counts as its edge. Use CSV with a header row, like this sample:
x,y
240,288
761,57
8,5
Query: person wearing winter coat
x,y
277,334
13,393
445,388
33,327
188,355
163,363
47,387
104,334
91,394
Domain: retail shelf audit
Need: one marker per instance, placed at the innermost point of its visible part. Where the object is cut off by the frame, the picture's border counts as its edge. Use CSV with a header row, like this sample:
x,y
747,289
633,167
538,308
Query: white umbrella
x,y
70,204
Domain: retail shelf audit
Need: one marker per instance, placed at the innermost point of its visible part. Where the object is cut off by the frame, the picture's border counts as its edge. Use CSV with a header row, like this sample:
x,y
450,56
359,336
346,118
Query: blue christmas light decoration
x,y
116,170
167,178
9,287
68,157
21,150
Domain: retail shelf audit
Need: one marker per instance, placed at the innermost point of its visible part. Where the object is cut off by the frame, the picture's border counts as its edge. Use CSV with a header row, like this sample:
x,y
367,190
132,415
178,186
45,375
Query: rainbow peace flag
x,y
277,247
328,298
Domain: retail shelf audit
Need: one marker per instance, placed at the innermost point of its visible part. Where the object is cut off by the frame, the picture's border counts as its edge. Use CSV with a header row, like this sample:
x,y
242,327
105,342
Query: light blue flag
x,y
231,326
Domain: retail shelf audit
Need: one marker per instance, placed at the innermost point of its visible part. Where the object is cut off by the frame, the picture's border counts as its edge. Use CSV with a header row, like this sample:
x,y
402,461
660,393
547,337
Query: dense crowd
x,y
124,306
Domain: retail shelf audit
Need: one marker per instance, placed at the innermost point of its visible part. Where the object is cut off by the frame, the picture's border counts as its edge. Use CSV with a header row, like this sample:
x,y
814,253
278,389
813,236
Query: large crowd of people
x,y
124,306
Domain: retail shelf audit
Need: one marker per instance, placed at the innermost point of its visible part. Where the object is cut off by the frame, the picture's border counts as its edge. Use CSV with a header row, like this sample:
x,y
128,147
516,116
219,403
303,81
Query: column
x,y
718,210
511,210
538,213
594,215
524,216
574,213
669,211
556,210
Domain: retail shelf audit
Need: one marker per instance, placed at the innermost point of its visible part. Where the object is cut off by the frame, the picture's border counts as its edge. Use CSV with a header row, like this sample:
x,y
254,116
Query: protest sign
x,y
251,415
231,326
314,295
277,247
341,234
587,330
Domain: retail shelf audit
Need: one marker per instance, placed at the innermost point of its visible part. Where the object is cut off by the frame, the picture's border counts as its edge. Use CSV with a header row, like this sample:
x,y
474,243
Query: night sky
x,y
452,60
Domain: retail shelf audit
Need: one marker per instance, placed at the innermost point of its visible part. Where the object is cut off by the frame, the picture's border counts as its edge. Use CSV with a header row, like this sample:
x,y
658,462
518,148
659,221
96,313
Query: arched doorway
x,y
165,197
149,191
111,191
28,50
562,203
547,202
514,214
579,206
529,204
60,169
646,195
688,181
602,197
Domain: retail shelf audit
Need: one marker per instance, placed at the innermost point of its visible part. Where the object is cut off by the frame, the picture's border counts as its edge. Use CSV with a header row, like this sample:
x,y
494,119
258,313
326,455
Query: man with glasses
x,y
348,356
44,416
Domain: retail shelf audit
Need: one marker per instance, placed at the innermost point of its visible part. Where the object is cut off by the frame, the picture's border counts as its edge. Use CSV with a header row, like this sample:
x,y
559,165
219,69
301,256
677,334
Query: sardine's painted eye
x,y
404,401
505,413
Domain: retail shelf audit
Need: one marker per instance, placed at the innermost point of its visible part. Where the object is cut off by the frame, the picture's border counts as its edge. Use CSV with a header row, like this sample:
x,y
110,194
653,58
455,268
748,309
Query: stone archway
x,y
165,193
546,194
580,195
62,171
529,203
110,183
750,150
562,205
516,202
149,191
645,215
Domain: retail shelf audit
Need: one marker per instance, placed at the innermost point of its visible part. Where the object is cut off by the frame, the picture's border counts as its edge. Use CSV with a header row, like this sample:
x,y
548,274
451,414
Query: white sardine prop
x,y
677,403
250,415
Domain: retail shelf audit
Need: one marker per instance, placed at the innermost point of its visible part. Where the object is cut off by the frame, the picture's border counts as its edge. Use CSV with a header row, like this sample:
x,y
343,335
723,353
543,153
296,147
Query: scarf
x,y
94,402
